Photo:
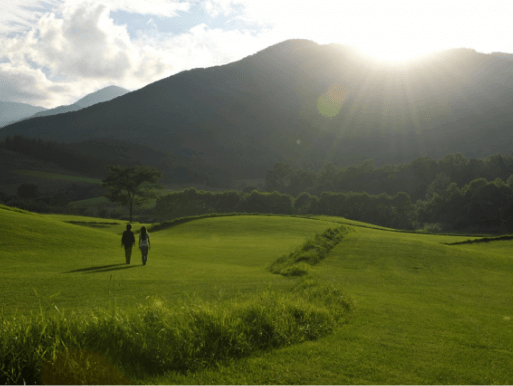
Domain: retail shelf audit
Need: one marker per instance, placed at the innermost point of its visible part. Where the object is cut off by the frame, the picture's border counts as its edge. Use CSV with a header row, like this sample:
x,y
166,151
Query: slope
x,y
103,95
81,265
426,313
11,112
307,103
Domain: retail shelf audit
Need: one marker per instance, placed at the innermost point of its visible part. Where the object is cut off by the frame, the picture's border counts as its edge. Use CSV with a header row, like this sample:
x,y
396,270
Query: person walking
x,y
128,241
144,244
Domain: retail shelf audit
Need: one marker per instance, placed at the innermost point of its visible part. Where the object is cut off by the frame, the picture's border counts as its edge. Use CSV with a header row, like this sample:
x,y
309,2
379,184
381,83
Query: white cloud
x,y
221,7
85,44
27,85
82,50
202,46
162,8
21,15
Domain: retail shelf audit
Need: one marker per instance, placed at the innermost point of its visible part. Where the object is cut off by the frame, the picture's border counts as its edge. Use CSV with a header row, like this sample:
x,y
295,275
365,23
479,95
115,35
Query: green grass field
x,y
424,312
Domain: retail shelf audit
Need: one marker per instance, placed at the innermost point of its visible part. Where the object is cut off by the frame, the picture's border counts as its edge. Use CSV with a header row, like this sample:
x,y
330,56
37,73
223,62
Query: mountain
x,y
14,111
58,110
306,103
103,95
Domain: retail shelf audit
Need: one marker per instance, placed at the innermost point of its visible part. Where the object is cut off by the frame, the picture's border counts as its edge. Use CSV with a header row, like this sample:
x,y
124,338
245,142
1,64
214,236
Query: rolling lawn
x,y
48,260
424,312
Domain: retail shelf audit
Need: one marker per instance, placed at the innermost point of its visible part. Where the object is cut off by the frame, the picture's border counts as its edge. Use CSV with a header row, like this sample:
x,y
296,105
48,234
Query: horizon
x,y
55,52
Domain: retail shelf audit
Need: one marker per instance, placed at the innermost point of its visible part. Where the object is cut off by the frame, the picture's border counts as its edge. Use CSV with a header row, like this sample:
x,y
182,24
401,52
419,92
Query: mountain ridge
x,y
307,104
103,95
11,112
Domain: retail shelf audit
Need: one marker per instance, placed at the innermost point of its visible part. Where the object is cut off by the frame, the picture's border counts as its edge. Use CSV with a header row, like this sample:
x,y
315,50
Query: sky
x,y
53,52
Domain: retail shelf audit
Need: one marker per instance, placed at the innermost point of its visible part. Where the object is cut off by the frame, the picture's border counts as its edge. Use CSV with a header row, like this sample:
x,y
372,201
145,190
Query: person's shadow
x,y
103,268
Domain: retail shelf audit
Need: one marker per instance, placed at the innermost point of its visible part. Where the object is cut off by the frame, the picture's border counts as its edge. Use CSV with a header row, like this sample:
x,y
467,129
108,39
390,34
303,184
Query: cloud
x,y
69,54
221,7
84,44
27,85
161,8
22,15
83,49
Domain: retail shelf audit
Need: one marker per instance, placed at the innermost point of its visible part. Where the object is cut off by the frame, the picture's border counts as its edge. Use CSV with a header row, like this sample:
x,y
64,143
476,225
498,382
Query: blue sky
x,y
53,52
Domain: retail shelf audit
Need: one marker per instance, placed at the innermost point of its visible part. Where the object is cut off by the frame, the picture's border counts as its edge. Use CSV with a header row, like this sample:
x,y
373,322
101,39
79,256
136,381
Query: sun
x,y
393,49
394,53
391,31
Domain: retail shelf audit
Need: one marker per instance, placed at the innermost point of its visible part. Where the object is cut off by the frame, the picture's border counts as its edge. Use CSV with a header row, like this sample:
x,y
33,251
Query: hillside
x,y
14,111
58,110
425,312
103,95
306,103
81,252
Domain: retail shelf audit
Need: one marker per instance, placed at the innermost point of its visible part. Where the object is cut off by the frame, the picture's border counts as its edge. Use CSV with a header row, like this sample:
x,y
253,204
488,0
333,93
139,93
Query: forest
x,y
92,158
452,194
480,206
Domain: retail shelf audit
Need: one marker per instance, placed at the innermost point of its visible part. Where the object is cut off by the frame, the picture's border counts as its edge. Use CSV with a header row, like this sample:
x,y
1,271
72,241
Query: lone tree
x,y
131,186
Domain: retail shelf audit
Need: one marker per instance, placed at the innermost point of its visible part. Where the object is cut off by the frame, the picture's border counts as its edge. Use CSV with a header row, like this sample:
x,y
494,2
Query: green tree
x,y
27,191
278,178
131,186
301,180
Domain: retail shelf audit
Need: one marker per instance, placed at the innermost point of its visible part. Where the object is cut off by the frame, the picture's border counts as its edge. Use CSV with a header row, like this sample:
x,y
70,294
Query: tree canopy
x,y
131,186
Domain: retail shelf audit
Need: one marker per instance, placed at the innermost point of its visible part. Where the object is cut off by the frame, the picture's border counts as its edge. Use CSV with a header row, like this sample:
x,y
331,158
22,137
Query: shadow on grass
x,y
104,268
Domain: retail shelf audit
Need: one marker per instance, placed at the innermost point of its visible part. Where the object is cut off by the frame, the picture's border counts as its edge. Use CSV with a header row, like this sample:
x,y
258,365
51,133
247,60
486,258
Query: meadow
x,y
380,307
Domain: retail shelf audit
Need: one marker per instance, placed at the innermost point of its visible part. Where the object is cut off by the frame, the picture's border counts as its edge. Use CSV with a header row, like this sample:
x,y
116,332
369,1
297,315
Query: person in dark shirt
x,y
128,241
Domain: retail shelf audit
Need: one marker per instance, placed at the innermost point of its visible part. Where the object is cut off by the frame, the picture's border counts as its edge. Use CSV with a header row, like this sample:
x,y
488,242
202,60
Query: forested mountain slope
x,y
307,104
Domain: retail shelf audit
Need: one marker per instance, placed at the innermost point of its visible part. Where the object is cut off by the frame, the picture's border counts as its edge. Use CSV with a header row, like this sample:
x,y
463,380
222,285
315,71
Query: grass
x,y
423,311
113,347
298,262
84,266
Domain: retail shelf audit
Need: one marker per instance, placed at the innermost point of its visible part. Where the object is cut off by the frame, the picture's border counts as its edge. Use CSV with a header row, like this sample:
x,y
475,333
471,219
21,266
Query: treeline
x,y
92,157
29,197
61,154
414,178
480,206
384,209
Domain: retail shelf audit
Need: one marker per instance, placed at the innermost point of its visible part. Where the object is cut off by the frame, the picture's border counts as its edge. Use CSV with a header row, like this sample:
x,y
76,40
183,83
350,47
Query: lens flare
x,y
329,104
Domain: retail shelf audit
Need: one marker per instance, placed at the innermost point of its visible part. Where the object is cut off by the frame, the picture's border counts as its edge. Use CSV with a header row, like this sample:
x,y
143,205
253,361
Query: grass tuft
x,y
115,346
298,262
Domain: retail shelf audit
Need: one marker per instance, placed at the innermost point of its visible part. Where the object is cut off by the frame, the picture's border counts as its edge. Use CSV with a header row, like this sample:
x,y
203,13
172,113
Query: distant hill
x,y
13,111
103,95
306,103
58,110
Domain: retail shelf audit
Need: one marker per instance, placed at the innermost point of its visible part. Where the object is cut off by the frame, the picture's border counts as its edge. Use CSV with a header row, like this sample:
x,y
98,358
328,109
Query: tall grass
x,y
114,346
299,261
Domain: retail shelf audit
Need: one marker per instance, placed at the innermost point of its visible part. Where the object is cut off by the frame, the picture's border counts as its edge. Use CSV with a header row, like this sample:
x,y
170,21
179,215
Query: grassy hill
x,y
85,265
425,312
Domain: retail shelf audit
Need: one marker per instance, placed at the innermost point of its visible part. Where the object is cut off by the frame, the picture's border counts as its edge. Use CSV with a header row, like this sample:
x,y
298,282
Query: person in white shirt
x,y
144,244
